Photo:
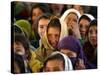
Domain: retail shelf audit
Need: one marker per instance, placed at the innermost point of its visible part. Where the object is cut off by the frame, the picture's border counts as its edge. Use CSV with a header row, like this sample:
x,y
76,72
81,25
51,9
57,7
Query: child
x,y
69,20
57,62
84,22
72,48
42,23
90,46
21,47
21,53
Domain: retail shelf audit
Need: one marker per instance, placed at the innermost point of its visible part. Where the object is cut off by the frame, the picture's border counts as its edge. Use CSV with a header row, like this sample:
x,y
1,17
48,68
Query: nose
x,y
93,35
70,22
82,30
53,39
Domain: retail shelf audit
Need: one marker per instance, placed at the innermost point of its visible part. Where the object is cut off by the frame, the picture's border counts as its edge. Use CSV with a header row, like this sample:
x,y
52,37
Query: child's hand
x,y
76,32
80,65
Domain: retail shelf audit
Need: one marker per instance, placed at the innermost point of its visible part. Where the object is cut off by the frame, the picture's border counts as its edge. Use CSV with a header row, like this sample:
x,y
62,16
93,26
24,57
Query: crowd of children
x,y
53,37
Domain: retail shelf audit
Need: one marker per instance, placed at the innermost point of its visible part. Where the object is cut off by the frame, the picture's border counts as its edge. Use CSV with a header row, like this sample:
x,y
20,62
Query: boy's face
x,y
53,35
83,26
18,48
92,35
42,27
54,65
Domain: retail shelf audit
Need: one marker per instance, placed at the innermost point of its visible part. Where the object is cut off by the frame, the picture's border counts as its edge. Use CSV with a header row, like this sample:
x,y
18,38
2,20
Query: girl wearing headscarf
x,y
23,27
90,46
69,20
37,10
57,61
71,46
50,40
26,28
84,22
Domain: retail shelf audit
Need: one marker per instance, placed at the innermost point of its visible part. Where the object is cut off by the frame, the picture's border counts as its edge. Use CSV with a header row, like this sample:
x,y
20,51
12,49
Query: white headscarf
x,y
68,64
63,22
89,16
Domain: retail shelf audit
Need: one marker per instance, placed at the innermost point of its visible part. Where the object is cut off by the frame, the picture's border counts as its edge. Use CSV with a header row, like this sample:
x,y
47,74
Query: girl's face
x,y
92,35
18,48
42,26
54,65
71,20
83,26
35,13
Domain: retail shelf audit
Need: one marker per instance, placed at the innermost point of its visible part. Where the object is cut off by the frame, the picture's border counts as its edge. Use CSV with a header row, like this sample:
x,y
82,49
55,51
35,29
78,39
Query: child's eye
x,y
41,27
75,20
91,31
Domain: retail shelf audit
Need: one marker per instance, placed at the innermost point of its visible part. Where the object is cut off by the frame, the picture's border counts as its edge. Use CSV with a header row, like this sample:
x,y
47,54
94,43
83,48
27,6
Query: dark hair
x,y
89,50
55,57
18,60
16,29
44,7
20,11
22,39
92,23
84,17
43,16
54,22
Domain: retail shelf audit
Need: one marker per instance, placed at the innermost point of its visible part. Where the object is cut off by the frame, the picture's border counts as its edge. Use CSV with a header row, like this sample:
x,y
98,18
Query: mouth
x,y
94,40
82,33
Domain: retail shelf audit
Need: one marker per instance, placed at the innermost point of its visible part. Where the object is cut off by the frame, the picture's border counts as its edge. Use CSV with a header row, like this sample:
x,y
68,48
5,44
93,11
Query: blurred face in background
x,y
92,35
57,9
79,8
83,26
42,26
35,13
53,35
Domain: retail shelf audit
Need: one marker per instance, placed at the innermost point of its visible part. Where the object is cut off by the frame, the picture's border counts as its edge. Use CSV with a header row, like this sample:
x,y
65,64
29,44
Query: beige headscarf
x,y
63,22
63,33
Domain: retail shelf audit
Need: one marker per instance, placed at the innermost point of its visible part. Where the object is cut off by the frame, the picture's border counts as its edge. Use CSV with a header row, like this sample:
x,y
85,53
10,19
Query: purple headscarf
x,y
71,43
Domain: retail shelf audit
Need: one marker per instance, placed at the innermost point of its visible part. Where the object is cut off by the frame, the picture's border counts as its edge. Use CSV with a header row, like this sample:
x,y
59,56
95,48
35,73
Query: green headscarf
x,y
25,26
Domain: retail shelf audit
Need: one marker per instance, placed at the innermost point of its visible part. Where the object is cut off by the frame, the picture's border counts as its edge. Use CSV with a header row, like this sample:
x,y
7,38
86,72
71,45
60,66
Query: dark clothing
x,y
91,54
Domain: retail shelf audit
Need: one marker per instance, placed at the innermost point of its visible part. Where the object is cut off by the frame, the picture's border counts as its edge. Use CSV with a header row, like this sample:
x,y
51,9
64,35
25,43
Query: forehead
x,y
84,21
72,14
54,63
94,27
53,30
36,9
43,20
